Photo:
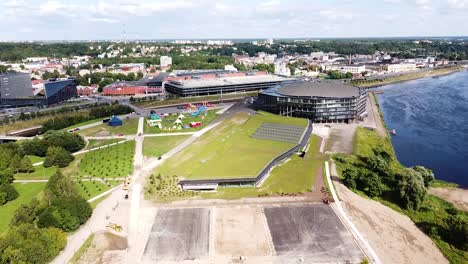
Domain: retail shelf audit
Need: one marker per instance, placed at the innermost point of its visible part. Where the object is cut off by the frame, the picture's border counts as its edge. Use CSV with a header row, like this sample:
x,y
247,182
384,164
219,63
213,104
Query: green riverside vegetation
x,y
374,171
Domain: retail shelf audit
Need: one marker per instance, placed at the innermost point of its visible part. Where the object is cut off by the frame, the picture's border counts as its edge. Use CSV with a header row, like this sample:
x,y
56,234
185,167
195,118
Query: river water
x,y
430,117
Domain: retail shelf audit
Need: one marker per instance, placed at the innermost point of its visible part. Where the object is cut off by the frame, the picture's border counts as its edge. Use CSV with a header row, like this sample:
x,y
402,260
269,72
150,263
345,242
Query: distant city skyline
x,y
229,19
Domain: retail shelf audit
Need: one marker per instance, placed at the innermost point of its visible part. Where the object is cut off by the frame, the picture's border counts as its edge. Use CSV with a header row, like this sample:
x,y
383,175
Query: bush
x,y
58,156
69,141
8,192
6,176
411,189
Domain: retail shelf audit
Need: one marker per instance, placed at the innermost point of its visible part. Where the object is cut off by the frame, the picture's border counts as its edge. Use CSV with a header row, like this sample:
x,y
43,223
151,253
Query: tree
x,y
8,192
350,176
6,176
35,147
28,244
411,189
15,163
26,213
426,174
26,165
57,156
60,186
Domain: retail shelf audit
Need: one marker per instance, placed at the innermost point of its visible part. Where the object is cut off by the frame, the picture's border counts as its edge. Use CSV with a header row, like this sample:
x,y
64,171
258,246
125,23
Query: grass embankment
x,y
229,151
198,99
27,191
407,77
157,146
129,127
297,175
169,127
35,159
111,162
432,215
78,254
84,123
90,189
19,125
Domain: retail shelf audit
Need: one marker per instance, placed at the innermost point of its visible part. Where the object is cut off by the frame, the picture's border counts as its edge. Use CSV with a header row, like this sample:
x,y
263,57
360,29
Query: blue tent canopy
x,y
115,121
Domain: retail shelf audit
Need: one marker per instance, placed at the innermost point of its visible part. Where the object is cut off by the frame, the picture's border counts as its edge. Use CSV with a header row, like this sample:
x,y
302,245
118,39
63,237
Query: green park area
x,y
168,125
95,143
40,173
111,162
26,191
229,151
374,171
157,146
129,127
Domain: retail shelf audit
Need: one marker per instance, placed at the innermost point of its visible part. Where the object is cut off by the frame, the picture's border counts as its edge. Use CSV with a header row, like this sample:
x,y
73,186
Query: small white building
x,y
400,67
354,69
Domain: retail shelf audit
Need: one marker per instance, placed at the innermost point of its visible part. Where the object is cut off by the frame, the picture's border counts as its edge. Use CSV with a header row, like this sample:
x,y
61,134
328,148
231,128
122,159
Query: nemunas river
x,y
430,117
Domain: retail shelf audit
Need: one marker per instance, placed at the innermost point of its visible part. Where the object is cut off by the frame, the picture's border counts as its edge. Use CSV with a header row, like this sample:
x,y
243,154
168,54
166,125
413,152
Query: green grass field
x,y
94,143
129,127
84,123
40,173
35,159
90,189
228,151
26,192
168,123
111,162
157,146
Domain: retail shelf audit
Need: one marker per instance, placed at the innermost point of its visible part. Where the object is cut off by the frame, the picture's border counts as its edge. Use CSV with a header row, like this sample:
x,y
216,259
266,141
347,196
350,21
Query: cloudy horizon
x,y
229,19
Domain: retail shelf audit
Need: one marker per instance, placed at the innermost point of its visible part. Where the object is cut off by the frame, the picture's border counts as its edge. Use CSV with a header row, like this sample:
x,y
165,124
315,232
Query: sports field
x,y
229,151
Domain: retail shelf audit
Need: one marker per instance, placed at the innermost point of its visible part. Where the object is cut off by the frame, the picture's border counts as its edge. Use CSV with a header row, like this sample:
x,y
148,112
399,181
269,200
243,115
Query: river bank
x,y
407,77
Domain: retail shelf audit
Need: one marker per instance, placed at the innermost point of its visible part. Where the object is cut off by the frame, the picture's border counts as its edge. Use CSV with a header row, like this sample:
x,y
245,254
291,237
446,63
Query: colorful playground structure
x,y
155,120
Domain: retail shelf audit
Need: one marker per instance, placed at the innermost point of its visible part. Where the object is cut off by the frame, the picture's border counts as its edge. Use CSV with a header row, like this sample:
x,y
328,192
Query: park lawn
x,y
90,189
94,143
228,150
111,162
157,146
129,127
35,159
297,175
84,123
169,127
27,191
40,173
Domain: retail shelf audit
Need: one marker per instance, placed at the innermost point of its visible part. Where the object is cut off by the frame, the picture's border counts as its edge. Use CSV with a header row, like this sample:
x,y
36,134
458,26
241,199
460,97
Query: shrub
x,y
9,193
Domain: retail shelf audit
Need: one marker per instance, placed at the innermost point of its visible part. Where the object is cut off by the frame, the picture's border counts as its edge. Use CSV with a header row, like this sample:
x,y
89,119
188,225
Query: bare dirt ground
x,y
393,236
102,243
457,196
341,138
241,232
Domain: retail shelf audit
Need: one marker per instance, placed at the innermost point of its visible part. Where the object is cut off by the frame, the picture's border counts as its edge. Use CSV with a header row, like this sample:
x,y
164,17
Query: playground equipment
x,y
195,124
199,111
116,227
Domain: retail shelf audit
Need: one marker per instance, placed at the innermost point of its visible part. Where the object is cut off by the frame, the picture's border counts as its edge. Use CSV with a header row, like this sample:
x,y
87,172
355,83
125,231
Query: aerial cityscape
x,y
148,131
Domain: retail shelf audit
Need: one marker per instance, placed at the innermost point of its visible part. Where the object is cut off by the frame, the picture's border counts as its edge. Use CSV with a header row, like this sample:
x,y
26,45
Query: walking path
x,y
365,246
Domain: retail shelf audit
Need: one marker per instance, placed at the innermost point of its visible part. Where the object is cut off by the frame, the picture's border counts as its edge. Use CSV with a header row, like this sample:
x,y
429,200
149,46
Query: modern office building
x,y
16,90
218,83
60,90
320,101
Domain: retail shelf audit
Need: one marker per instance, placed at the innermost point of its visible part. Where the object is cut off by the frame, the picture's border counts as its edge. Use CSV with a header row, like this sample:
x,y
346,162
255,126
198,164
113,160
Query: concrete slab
x,y
312,233
177,235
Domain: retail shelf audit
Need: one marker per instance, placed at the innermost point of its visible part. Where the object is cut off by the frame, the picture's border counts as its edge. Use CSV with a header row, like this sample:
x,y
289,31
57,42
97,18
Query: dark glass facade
x,y
60,90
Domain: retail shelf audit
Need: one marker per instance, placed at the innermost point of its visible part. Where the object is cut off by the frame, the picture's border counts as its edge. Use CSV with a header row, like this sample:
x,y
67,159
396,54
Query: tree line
x,y
60,122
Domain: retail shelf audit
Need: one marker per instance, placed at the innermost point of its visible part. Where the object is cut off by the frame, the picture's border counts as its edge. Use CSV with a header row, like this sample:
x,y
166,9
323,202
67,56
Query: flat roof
x,y
315,89
198,83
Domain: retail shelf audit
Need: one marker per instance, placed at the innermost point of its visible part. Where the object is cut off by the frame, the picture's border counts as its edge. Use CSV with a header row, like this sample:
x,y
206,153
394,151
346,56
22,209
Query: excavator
x,y
116,227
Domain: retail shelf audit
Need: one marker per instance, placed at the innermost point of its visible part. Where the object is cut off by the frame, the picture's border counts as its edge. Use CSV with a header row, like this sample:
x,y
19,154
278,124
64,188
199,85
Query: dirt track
x,y
393,236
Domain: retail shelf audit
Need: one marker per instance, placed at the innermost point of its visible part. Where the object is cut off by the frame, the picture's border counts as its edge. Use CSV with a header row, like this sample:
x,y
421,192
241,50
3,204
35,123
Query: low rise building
x,y
400,67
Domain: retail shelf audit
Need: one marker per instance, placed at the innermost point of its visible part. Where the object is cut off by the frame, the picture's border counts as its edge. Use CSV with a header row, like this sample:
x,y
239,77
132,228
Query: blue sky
x,y
156,19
